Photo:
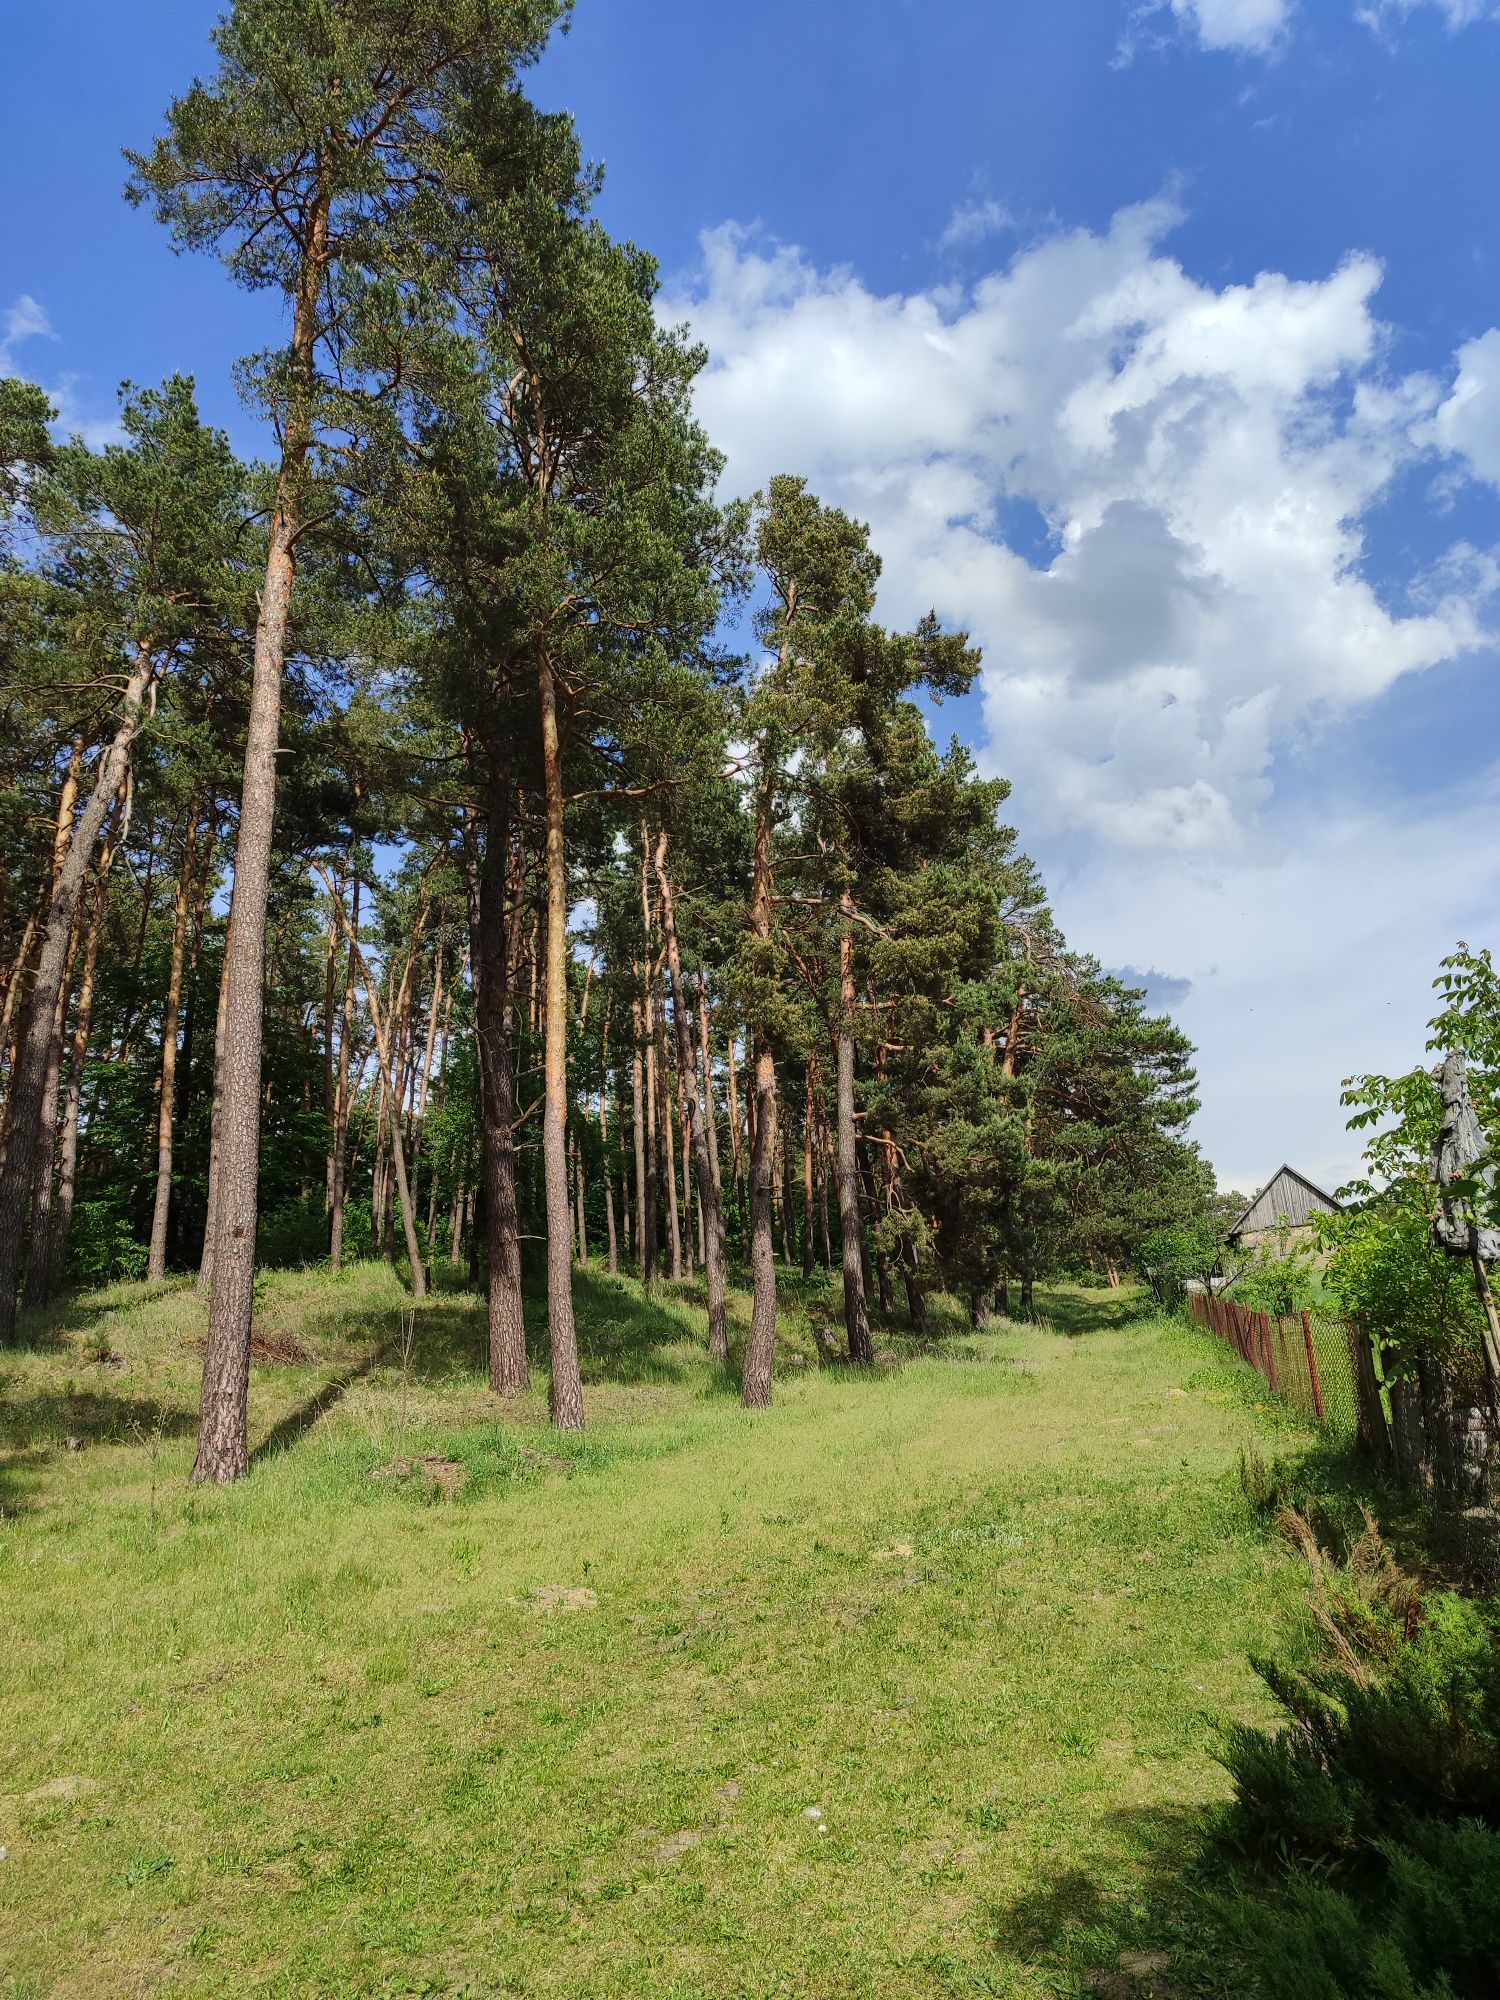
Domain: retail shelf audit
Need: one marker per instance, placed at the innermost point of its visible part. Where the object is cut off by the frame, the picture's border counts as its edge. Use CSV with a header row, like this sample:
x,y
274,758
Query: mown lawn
x,y
906,1687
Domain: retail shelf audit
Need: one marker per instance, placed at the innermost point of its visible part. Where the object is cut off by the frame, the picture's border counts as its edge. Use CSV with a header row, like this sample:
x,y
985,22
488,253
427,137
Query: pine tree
x,y
306,164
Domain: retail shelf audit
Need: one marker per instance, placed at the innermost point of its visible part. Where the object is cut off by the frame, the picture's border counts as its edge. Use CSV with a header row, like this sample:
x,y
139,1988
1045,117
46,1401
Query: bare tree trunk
x,y
583,1239
645,1219
609,1183
62,835
567,1384
788,1201
489,950
442,1087
224,1414
424,1076
67,1177
760,1348
669,1148
38,1286
823,1161
385,1054
715,1259
166,1108
710,1111
687,1186
856,1310
342,1101
809,1195
28,1078
211,1216
736,1135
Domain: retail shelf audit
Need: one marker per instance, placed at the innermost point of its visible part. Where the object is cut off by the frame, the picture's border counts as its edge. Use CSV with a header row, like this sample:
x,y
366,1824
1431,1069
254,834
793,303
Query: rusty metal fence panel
x,y
1319,1364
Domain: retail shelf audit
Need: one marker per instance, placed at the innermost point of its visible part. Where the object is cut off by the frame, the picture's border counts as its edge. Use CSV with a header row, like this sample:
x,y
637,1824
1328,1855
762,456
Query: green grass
x,y
333,1734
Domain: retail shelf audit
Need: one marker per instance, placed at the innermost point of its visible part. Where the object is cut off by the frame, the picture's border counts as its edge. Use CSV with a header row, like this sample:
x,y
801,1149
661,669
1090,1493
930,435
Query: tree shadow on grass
x,y
1138,1928
298,1421
624,1337
1104,1311
46,1418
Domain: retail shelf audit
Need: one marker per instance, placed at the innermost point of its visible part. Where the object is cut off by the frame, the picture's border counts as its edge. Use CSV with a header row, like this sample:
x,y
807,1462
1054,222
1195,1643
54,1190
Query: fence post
x,y
1312,1367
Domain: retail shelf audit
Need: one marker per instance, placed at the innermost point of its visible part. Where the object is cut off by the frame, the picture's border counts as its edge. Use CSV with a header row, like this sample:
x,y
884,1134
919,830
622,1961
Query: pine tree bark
x,y
166,1107
28,1079
736,1135
385,1056
67,1173
583,1238
809,1192
211,1215
489,950
668,1179
715,1259
342,1101
710,1108
856,1309
38,1287
567,1384
609,1182
645,1207
760,1348
224,1412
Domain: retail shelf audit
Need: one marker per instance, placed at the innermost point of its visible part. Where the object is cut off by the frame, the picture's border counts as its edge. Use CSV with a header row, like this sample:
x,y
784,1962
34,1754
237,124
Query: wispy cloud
x,y
25,320
973,222
1382,15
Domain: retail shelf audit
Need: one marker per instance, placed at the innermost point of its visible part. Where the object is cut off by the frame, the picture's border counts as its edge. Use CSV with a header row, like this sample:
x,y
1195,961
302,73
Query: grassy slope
x,y
978,1610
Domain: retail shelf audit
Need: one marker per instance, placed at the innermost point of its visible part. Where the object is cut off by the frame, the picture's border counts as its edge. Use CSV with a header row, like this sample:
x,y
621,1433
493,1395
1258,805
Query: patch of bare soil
x,y
276,1344
72,1787
563,1597
1140,1977
444,1473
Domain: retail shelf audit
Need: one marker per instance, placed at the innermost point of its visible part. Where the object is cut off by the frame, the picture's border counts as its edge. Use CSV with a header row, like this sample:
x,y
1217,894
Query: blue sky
x,y
1153,344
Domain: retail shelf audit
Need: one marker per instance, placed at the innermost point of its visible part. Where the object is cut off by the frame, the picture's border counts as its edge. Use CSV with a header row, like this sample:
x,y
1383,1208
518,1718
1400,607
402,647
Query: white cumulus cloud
x,y
1467,422
1255,25
1146,496
1187,467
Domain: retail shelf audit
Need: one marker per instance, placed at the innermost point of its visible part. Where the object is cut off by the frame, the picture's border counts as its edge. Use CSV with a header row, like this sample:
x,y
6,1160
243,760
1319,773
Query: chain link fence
x,y
1318,1363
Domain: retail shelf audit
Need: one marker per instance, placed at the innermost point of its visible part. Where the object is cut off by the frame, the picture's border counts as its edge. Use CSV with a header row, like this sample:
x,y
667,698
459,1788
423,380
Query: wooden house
x,y
1280,1213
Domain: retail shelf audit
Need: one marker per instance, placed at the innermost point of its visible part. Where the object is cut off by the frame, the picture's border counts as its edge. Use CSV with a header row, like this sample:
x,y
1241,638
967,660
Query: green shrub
x,y
292,1236
103,1247
1371,1819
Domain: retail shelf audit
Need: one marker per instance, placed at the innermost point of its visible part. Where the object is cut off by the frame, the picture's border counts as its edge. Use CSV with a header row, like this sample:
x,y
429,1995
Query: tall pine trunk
x,y
28,1078
166,1108
342,1101
760,1348
715,1259
224,1412
809,1190
489,950
664,1126
856,1311
609,1181
67,1172
645,1222
567,1384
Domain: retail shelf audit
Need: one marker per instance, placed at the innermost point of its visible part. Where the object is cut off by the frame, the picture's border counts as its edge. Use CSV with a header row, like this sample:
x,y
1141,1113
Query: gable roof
x,y
1286,1195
